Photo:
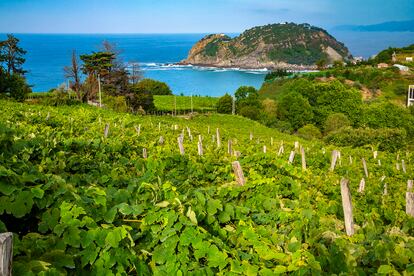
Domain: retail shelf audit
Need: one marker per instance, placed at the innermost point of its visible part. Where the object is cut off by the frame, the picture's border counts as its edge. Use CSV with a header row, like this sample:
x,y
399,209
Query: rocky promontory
x,y
277,46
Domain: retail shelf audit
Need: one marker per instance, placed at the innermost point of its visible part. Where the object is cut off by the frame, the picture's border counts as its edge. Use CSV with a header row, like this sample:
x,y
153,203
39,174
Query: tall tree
x,y
118,78
73,73
94,65
11,55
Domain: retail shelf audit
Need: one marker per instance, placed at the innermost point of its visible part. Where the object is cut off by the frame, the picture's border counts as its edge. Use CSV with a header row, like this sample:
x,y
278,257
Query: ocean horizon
x,y
48,53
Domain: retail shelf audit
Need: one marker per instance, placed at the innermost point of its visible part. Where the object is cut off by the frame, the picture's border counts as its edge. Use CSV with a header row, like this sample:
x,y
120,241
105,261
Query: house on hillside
x,y
382,65
410,96
409,59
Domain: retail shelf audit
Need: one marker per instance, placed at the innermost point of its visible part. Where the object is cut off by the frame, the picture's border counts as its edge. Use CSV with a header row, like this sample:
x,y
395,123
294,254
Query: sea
x,y
47,54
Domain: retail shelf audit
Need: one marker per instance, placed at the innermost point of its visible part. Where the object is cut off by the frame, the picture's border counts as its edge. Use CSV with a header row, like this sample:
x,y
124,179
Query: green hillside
x,y
81,203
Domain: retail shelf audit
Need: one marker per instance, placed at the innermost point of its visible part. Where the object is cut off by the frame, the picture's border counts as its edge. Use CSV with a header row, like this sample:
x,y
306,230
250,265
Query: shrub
x,y
154,87
251,112
225,104
309,132
283,126
14,86
335,122
295,109
140,98
386,139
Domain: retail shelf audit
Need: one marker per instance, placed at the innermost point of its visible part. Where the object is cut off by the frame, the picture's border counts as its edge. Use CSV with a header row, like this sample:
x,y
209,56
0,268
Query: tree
x,y
73,72
243,92
136,73
321,64
154,86
335,122
11,56
225,104
295,109
139,98
14,86
309,132
95,64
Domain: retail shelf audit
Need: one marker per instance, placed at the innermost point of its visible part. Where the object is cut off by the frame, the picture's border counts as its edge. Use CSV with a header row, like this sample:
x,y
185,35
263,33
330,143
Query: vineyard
x,y
94,192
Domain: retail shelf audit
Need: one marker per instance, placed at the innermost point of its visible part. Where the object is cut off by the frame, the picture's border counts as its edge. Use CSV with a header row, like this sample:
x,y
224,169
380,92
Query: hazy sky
x,y
189,16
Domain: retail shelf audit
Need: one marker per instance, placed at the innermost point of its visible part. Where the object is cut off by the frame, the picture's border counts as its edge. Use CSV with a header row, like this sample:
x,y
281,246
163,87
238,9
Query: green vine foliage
x,y
82,204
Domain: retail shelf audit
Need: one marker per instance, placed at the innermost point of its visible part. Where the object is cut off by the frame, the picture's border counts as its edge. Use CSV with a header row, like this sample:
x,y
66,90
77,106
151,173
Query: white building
x,y
402,67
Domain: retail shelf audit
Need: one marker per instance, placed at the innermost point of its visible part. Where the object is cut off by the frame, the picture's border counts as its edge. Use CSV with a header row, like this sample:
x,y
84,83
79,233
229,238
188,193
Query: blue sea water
x,y
47,54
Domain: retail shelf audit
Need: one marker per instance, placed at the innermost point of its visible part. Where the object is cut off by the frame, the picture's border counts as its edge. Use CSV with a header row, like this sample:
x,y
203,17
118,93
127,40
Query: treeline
x,y
330,110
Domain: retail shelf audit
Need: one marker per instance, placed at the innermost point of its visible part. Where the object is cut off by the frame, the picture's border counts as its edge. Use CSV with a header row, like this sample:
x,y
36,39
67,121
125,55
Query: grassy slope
x,y
166,103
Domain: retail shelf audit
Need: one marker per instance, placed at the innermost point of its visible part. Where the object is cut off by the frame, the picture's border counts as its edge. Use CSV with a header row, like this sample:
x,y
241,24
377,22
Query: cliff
x,y
289,46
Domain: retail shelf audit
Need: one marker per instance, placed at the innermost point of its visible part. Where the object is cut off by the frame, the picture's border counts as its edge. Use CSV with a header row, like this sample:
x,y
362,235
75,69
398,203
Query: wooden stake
x,y
291,157
296,145
347,206
218,138
302,153
144,153
361,188
161,141
6,253
208,130
106,131
397,166
271,141
138,130
364,164
238,172
333,160
48,116
180,145
409,199
281,150
375,153
264,149
229,148
251,136
385,189
379,162
200,148
350,160
403,166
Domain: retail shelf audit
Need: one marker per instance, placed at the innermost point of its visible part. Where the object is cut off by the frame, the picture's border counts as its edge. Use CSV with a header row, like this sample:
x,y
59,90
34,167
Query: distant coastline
x,y
391,26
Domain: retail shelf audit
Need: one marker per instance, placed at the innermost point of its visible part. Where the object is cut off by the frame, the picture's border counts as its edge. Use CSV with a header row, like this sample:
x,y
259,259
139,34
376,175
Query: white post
x,y
347,206
238,172
233,108
191,103
6,253
100,92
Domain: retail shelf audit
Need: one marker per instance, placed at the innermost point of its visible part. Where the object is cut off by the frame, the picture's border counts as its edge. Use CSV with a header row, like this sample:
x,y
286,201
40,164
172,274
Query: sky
x,y
190,16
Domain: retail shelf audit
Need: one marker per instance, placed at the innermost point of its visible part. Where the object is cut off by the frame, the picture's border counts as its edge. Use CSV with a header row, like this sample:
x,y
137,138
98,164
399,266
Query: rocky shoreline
x,y
266,67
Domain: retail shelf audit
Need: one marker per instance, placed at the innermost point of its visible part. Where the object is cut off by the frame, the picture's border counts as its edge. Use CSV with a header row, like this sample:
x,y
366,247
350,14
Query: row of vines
x,y
81,203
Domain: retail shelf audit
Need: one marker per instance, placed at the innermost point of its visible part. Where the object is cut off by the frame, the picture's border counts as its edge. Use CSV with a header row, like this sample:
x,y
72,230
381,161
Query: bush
x,y
295,109
116,103
283,126
335,122
251,112
309,132
154,87
14,86
385,139
140,99
225,104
